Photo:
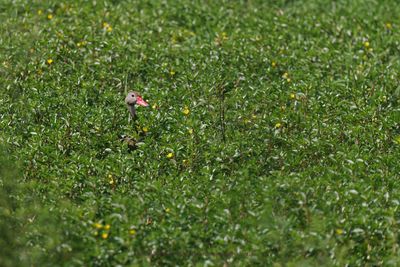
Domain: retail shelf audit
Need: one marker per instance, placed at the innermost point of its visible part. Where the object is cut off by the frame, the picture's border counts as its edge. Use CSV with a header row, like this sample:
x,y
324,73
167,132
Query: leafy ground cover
x,y
272,138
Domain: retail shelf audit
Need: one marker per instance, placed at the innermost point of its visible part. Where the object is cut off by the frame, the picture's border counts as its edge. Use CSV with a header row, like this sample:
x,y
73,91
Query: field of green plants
x,y
272,137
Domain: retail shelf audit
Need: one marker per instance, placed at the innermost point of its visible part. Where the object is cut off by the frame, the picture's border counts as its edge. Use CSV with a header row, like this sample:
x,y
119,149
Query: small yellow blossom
x,y
285,75
366,44
132,231
104,235
155,106
190,131
273,64
107,227
254,116
292,96
370,50
170,155
397,139
107,27
145,129
97,225
288,80
50,16
339,231
172,72
278,125
79,44
111,179
224,36
49,61
40,12
388,25
186,110
167,210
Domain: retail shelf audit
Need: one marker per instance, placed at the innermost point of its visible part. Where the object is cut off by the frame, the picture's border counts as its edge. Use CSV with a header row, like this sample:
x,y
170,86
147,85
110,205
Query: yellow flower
x,y
104,235
292,96
273,64
190,131
167,210
339,231
107,227
397,139
172,72
186,110
366,44
111,179
154,106
49,61
50,16
388,25
145,129
224,36
39,12
254,116
107,27
79,44
288,80
278,125
285,75
170,155
132,231
97,225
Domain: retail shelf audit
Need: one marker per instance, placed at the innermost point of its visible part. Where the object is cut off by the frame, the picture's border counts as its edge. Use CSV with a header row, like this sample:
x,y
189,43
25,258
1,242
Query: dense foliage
x,y
273,135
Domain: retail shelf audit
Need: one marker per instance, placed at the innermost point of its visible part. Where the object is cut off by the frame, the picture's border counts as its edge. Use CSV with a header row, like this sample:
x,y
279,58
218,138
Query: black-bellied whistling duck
x,y
131,100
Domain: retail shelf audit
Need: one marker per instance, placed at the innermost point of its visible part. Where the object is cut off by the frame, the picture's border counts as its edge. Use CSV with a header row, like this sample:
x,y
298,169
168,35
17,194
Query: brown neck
x,y
132,110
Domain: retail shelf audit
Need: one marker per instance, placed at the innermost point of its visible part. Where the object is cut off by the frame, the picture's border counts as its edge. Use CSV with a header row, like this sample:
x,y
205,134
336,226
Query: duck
x,y
133,99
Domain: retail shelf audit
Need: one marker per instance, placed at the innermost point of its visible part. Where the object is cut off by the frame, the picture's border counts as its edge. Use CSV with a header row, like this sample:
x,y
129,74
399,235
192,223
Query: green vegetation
x,y
272,139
